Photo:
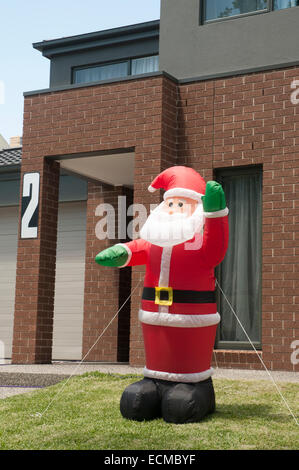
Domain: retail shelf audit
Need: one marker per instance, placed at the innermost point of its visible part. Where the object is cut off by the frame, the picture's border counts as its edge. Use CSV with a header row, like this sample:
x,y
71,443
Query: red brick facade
x,y
35,282
231,122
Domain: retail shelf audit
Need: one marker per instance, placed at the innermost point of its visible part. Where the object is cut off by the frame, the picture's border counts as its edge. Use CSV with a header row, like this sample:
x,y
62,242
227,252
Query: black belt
x,y
180,296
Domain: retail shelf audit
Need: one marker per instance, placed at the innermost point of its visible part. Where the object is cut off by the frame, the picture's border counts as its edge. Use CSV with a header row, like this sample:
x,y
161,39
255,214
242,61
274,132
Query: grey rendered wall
x,y
62,65
188,49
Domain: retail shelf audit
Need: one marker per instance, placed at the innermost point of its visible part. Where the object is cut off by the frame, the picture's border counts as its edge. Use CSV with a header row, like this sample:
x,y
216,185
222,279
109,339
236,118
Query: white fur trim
x,y
164,273
151,189
178,320
214,215
172,377
165,266
183,192
129,253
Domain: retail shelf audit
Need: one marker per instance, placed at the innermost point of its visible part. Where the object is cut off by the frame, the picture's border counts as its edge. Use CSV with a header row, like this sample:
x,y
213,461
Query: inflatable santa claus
x,y
181,243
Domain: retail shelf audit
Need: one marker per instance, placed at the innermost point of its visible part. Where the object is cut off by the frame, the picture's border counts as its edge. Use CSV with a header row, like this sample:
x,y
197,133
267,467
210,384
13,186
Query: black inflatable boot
x,y
176,402
187,402
141,401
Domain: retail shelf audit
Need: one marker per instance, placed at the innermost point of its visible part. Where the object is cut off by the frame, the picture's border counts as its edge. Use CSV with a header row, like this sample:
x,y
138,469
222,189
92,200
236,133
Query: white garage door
x,y
69,289
8,258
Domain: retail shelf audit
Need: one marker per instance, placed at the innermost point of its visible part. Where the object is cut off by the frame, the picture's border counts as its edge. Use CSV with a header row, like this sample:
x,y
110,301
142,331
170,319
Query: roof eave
x,y
98,39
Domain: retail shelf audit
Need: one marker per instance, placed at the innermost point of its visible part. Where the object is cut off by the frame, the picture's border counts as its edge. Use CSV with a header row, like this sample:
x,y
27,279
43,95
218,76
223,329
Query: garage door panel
x,y
5,333
63,267
70,267
71,256
76,279
67,301
69,287
69,250
8,258
5,311
67,326
8,253
72,217
9,220
6,241
6,280
6,288
67,350
68,318
69,242
66,284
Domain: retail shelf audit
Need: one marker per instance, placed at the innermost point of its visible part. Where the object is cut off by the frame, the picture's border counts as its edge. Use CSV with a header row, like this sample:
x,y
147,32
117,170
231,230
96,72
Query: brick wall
x,y
124,304
106,289
35,278
213,124
102,118
101,284
250,120
164,155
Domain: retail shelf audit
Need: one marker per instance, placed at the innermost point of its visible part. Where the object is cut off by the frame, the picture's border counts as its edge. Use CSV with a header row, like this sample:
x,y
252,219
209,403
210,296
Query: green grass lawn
x,y
85,415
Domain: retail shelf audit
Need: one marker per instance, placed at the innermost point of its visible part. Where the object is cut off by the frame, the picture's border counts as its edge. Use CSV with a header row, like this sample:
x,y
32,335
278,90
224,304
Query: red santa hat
x,y
180,181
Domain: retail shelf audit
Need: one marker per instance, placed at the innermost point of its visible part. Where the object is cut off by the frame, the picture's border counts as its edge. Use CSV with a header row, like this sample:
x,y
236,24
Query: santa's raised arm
x,y
181,243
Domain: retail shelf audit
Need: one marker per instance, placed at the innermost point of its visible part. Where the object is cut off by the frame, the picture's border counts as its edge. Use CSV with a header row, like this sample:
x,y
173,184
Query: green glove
x,y
214,199
114,256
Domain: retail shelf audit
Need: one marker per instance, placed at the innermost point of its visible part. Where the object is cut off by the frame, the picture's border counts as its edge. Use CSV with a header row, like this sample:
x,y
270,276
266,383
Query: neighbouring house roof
x,y
10,156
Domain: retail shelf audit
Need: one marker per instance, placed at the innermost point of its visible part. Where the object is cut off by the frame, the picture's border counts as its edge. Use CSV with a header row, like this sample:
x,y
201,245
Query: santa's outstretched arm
x,y
124,254
215,240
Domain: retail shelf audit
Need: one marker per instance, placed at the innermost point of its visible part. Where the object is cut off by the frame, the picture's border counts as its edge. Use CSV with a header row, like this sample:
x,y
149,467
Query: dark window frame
x,y
203,22
219,175
98,64
128,61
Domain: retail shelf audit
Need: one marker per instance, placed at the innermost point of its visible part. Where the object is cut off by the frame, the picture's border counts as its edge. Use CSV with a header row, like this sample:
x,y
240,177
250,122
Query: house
x,y
69,276
3,143
208,86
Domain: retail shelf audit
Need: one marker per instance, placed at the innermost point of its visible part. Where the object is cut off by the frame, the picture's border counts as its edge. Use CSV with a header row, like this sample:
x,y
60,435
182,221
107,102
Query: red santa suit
x,y
178,309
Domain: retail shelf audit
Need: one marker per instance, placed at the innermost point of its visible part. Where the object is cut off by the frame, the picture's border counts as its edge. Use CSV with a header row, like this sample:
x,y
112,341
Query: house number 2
x,y
30,205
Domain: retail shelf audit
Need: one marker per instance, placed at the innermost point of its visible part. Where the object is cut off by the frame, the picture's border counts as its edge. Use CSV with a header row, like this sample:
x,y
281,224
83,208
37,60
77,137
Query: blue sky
x,y
22,68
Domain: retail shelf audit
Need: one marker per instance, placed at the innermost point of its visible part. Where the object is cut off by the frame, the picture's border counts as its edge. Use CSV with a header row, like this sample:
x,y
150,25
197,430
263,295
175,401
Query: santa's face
x,y
180,205
175,221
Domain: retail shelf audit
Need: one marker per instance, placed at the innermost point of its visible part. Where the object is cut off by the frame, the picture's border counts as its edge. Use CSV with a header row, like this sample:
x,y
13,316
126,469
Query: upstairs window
x,y
216,9
101,72
281,4
122,69
145,65
220,9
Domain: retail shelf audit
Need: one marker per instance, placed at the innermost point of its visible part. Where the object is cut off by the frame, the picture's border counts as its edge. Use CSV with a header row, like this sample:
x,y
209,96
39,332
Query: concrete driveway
x,y
17,379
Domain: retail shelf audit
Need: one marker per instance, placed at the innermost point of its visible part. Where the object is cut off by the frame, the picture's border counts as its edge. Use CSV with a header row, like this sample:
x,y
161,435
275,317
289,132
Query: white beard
x,y
167,230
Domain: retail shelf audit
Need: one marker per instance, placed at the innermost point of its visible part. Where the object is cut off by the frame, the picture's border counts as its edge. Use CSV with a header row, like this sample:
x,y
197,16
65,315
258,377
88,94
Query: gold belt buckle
x,y
158,291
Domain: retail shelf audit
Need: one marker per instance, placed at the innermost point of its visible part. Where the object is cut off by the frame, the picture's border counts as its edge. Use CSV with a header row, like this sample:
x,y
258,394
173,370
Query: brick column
x,y
152,155
35,281
102,284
